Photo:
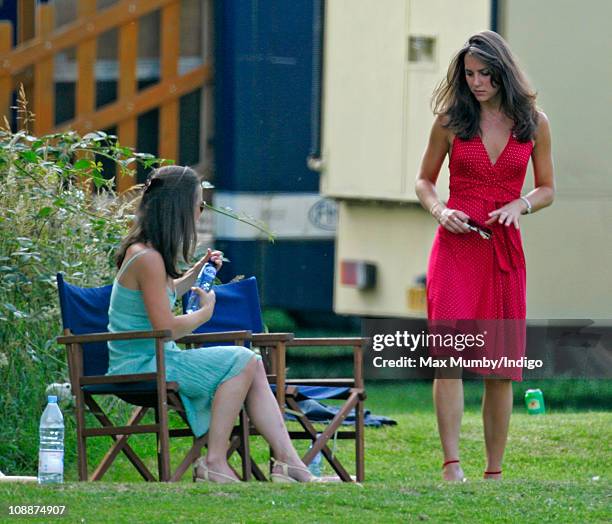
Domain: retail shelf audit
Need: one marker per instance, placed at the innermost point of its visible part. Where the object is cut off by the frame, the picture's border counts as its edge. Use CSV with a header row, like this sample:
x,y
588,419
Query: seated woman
x,y
214,382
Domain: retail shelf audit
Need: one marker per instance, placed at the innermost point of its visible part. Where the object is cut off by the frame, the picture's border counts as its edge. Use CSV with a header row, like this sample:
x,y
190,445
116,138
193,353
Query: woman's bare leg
x,y
448,401
226,406
496,411
263,410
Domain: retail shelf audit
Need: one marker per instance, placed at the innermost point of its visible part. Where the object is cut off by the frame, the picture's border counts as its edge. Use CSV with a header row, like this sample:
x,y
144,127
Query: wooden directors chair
x,y
351,390
85,319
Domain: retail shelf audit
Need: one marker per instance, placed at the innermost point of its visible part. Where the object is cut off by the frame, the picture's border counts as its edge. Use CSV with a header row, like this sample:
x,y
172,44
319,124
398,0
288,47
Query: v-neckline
x,y
493,164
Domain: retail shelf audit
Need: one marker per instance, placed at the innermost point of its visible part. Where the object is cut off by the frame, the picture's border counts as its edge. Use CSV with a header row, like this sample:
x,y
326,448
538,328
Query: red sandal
x,y
453,461
492,473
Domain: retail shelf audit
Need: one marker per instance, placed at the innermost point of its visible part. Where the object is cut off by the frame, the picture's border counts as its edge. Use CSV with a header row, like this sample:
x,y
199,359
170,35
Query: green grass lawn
x,y
557,469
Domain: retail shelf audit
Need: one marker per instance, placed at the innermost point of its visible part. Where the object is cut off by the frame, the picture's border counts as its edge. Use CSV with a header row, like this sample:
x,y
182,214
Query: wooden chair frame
x,y
287,394
273,347
166,398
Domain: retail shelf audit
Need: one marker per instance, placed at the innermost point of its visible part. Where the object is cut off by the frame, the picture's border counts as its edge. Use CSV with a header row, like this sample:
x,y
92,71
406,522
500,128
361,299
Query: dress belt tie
x,y
506,244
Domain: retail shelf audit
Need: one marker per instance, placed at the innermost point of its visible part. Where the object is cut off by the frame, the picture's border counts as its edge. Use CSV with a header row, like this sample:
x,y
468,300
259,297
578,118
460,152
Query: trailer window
x,y
422,49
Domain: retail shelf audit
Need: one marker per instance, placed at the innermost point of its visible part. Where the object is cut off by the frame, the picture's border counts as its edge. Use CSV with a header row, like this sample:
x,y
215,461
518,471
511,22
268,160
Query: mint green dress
x,y
199,372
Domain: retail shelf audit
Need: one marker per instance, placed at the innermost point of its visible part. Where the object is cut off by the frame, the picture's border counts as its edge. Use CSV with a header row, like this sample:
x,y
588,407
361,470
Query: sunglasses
x,y
483,231
202,206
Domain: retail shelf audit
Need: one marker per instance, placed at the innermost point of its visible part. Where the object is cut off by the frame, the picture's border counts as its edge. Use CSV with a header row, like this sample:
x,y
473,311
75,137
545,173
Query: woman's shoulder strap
x,y
134,257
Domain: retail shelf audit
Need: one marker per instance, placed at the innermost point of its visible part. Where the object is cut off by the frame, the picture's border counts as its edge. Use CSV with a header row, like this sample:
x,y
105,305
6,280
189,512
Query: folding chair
x,y
238,308
351,390
85,319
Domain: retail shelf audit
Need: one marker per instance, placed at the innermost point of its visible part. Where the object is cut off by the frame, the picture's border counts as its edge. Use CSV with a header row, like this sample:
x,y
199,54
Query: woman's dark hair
x,y
165,216
454,100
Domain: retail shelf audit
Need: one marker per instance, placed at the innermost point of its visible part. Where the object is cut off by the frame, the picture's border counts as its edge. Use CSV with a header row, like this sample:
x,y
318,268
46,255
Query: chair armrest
x,y
74,344
332,382
270,339
117,379
221,336
123,335
274,357
328,341
357,343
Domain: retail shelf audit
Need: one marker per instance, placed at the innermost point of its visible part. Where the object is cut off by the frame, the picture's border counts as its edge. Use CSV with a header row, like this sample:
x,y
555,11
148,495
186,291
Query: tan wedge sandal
x,y
284,476
200,464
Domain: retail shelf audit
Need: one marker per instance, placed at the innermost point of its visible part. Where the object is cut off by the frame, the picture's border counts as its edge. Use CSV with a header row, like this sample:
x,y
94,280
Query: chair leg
x,y
125,447
192,455
320,442
163,445
120,445
235,445
257,473
359,442
81,440
244,449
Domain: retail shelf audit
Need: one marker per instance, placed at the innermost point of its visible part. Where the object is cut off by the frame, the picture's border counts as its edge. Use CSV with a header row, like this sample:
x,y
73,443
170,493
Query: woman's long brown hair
x,y
165,217
454,100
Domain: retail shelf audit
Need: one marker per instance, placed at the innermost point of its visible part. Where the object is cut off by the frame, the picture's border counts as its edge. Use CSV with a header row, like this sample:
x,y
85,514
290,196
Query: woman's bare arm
x,y
184,283
151,277
544,192
431,163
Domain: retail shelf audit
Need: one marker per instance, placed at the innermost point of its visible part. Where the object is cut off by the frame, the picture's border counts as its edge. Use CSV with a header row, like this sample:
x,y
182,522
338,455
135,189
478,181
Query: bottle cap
x,y
52,399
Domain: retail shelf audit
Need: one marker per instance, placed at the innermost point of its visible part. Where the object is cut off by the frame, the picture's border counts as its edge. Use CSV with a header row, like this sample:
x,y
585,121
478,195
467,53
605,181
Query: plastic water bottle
x,y
204,281
316,465
51,451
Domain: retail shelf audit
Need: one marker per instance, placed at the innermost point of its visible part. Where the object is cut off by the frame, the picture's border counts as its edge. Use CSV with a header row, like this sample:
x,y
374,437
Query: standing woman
x,y
488,124
214,382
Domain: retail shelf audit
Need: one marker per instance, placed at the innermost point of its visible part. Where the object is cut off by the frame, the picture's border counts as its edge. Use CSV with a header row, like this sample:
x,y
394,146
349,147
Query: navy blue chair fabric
x,y
318,392
237,308
85,311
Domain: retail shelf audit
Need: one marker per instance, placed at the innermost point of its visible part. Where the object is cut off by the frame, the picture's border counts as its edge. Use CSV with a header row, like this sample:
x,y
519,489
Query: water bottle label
x,y
207,277
51,461
209,270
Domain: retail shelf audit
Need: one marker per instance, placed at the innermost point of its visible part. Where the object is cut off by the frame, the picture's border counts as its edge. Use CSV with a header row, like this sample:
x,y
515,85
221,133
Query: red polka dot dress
x,y
469,277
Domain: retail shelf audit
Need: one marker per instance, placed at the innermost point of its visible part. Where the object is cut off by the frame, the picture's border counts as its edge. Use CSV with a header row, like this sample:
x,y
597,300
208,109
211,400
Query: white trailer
x,y
382,61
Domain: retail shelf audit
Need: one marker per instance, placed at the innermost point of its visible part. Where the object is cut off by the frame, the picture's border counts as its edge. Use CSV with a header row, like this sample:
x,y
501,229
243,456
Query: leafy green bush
x,y
57,213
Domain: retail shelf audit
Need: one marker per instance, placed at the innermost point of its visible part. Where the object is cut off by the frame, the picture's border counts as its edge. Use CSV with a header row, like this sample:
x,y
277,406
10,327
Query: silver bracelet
x,y
526,200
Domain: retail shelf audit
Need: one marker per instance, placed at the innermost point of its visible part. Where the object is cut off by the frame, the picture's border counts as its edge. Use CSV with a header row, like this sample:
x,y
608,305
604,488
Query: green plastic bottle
x,y
534,400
